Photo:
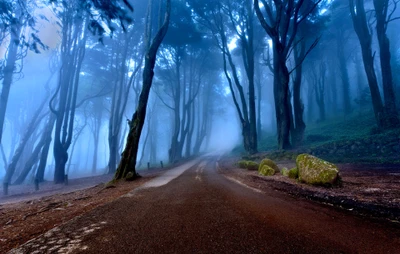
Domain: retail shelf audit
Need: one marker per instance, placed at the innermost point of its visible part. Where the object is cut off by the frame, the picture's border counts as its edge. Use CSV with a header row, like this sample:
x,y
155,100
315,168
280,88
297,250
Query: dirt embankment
x,y
369,190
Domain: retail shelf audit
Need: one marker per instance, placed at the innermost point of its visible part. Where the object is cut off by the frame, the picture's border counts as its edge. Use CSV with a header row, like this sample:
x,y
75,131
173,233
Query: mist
x,y
222,82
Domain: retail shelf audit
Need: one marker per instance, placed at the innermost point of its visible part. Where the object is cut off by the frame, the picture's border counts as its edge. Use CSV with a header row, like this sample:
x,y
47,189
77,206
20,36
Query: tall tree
x,y
127,166
361,27
74,34
281,20
230,21
383,17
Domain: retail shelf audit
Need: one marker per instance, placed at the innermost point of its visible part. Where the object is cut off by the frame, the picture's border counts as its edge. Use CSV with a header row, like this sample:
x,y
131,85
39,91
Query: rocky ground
x,y
369,190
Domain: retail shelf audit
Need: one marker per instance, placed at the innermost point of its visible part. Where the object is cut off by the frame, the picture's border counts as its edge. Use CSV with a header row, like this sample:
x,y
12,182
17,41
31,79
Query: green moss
x,y
293,173
316,171
242,164
269,163
285,172
250,165
266,171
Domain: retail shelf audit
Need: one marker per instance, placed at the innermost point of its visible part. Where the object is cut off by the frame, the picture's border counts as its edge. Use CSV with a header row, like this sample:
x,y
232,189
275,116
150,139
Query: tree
x,y
281,20
127,166
383,17
228,21
360,24
74,34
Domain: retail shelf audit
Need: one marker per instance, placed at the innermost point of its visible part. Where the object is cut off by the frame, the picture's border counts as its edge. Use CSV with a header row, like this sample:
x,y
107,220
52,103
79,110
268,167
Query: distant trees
x,y
281,21
234,21
386,114
14,19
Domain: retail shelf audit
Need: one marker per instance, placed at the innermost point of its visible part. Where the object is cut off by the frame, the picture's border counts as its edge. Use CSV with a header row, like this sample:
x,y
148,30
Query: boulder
x,y
266,171
269,163
250,165
293,173
316,171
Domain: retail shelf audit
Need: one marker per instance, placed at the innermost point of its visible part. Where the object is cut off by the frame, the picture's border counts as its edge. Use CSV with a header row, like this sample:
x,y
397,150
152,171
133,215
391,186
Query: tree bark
x,y
298,107
360,24
391,115
344,74
127,167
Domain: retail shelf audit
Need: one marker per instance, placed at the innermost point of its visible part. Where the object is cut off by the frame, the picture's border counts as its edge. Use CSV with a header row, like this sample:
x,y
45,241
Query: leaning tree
x,y
127,166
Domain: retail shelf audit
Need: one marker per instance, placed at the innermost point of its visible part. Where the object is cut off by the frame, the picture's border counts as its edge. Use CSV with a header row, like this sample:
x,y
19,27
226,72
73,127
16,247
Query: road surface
x,y
194,209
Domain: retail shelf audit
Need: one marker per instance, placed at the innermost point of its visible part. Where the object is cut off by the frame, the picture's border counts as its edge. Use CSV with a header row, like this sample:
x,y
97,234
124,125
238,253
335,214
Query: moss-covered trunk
x,y
126,168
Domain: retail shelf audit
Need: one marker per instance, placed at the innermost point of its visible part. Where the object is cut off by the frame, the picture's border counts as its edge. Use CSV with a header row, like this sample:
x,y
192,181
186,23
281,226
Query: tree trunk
x,y
127,167
344,74
282,99
361,27
28,133
8,73
391,115
298,107
34,157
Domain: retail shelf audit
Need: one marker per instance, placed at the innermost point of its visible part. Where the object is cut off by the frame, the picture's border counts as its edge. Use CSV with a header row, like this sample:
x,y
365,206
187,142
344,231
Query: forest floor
x,y
369,190
25,213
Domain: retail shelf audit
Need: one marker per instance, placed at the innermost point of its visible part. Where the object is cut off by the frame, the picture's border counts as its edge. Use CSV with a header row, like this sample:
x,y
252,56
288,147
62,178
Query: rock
x,y
285,172
269,163
266,170
242,164
250,165
316,171
293,173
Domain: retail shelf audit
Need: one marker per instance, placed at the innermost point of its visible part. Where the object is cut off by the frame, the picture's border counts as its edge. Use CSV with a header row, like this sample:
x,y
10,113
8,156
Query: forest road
x,y
201,211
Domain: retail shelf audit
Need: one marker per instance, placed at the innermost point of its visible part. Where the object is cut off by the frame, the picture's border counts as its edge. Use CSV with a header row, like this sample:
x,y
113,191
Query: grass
x,y
343,131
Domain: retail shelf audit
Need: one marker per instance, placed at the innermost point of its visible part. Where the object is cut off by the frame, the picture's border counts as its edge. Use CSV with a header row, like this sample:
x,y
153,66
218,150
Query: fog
x,y
225,80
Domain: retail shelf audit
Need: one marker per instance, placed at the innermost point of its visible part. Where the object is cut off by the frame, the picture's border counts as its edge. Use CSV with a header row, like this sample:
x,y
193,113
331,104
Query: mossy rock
x,y
266,171
285,172
269,163
242,164
313,170
250,165
293,173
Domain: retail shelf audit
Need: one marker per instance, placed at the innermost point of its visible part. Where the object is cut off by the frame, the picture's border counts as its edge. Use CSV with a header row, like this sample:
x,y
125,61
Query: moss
x,y
242,164
266,171
316,171
293,173
285,172
269,163
250,165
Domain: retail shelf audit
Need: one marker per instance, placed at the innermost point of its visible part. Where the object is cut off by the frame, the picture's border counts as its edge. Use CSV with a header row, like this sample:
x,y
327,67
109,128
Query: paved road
x,y
200,211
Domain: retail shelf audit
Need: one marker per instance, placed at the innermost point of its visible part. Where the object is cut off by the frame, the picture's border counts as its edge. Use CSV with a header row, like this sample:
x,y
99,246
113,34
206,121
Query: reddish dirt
x,y
371,190
27,213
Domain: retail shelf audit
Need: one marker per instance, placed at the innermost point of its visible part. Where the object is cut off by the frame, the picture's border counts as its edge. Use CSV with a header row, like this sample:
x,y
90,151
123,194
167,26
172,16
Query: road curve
x,y
201,211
